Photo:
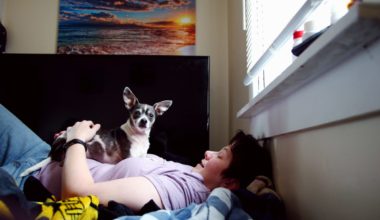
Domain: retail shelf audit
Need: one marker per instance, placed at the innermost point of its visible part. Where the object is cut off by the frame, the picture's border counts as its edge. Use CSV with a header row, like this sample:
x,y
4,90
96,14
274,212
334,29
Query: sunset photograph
x,y
154,27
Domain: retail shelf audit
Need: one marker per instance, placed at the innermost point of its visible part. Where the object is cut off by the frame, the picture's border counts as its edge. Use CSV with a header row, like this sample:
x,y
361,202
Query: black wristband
x,y
75,141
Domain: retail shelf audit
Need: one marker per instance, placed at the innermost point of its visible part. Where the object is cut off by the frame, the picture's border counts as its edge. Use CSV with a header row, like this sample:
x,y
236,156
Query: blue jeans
x,y
20,147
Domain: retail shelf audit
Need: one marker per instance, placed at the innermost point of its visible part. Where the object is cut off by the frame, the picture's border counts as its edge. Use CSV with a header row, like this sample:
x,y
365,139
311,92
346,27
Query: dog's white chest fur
x,y
139,142
139,146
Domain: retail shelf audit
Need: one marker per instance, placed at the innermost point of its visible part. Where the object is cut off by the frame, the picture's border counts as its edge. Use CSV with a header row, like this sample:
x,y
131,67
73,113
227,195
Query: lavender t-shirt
x,y
176,184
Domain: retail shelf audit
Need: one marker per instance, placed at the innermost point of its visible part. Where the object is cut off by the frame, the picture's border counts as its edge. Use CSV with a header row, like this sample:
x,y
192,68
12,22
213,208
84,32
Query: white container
x,y
310,28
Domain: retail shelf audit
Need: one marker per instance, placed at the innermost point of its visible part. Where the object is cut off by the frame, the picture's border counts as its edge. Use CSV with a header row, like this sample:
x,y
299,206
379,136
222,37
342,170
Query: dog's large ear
x,y
163,106
130,99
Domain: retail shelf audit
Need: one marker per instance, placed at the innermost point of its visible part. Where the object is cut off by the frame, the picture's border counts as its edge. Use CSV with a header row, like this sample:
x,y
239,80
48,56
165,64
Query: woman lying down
x,y
132,182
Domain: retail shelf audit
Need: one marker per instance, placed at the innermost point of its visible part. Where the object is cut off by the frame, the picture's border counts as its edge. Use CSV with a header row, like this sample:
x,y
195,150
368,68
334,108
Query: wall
x,y
31,25
324,172
1,9
238,93
212,40
32,28
331,172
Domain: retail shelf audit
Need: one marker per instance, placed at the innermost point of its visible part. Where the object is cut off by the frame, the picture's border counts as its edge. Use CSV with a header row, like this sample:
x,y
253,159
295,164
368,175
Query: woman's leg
x,y
20,147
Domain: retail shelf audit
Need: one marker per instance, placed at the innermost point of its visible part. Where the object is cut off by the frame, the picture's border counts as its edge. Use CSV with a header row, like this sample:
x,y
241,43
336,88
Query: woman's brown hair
x,y
249,159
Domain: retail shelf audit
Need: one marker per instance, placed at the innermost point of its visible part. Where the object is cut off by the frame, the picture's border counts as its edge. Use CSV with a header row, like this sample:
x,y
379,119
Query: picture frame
x,y
145,27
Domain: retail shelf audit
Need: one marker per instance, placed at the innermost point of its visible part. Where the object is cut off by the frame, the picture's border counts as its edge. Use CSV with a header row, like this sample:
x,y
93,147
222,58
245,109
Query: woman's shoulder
x,y
155,158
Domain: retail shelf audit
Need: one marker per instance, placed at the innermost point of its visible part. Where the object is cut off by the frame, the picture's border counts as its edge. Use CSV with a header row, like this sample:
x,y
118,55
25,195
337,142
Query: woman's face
x,y
213,165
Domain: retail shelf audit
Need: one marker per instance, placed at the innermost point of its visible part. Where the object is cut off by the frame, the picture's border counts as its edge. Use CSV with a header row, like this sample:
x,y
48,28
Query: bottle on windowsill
x,y
353,2
297,40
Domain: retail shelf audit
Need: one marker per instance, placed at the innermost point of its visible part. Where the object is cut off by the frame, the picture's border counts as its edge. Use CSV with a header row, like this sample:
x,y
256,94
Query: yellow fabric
x,y
73,208
5,213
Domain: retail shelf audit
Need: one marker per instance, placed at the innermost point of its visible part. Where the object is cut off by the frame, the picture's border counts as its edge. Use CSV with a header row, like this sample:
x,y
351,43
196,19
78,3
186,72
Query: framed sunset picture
x,y
142,27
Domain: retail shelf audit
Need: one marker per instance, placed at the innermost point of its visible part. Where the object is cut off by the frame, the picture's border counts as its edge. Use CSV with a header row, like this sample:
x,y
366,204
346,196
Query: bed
x,y
50,92
221,204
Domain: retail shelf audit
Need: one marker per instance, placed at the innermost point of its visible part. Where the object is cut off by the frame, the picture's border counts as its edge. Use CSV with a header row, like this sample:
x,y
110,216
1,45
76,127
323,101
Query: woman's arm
x,y
75,173
134,192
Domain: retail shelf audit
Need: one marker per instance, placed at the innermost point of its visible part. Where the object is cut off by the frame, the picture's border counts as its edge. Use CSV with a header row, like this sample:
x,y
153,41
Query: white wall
x,y
331,172
212,38
238,93
1,9
32,28
325,172
31,25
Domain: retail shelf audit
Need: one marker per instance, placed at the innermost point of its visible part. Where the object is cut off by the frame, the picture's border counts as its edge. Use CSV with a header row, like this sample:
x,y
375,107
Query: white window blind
x,y
269,35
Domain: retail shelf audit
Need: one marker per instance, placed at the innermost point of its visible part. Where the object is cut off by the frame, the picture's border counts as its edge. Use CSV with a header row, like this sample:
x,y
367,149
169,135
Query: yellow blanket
x,y
75,208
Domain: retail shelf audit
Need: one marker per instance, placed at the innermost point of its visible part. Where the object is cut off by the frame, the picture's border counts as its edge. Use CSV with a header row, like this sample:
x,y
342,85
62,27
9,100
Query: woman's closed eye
x,y
221,155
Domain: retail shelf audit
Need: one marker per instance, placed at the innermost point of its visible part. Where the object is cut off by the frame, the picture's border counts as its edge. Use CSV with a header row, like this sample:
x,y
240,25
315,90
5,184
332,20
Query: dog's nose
x,y
143,122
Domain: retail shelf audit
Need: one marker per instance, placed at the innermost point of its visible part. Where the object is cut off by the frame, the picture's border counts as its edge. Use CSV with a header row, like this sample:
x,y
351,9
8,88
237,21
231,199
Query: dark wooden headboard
x,y
50,92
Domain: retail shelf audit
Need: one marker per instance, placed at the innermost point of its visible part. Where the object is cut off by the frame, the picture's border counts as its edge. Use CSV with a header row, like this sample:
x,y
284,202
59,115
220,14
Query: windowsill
x,y
355,31
358,29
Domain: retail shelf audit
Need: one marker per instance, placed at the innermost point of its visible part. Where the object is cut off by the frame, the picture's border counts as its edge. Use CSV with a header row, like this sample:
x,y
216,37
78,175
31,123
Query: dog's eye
x,y
137,114
150,115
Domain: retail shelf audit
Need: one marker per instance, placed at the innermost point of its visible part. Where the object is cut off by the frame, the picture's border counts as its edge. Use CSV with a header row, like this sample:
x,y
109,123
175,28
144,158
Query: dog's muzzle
x,y
143,123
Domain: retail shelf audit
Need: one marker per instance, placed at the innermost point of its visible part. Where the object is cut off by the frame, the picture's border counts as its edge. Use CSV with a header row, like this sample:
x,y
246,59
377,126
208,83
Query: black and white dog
x,y
131,139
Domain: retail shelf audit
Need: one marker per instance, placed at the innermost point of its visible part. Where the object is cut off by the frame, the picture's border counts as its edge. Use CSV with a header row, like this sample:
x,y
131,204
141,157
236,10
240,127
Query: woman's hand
x,y
56,135
83,130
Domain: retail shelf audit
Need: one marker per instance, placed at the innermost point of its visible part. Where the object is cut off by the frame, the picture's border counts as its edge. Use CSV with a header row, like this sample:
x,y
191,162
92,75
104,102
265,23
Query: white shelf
x,y
358,29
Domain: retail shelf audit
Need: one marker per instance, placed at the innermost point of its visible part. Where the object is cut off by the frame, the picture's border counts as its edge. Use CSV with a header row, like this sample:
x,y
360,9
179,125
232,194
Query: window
x,y
269,33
